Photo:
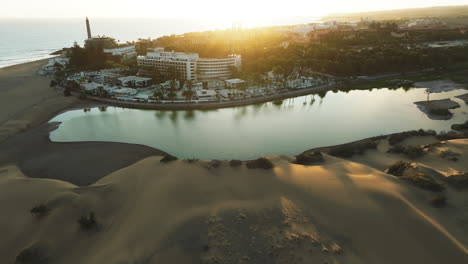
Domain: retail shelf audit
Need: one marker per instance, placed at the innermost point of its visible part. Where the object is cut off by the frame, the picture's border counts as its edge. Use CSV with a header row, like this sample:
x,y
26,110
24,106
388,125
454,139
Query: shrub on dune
x,y
458,181
168,158
260,163
88,223
40,210
414,152
398,168
460,127
235,163
423,181
309,158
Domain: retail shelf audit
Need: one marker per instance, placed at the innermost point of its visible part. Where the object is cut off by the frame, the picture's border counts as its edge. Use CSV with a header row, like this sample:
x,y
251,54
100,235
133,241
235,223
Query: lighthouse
x,y
88,28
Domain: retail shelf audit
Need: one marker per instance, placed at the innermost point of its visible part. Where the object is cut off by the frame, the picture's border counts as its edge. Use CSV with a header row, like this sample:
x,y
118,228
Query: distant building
x,y
124,53
159,63
124,91
235,83
205,95
135,81
100,43
421,23
217,68
188,65
53,65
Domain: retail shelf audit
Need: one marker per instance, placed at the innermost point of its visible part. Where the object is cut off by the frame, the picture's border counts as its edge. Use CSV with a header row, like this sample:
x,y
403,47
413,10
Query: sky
x,y
213,9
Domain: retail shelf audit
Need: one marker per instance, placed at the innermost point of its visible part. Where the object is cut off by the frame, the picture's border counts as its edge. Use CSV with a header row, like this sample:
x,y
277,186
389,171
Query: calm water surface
x,y
247,132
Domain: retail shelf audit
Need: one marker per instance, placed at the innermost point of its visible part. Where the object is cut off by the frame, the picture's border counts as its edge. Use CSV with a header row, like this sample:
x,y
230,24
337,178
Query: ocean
x,y
24,40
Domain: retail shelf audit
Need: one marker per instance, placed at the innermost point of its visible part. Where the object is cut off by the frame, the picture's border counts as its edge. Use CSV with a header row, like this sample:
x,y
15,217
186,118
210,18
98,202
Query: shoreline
x,y
211,105
43,60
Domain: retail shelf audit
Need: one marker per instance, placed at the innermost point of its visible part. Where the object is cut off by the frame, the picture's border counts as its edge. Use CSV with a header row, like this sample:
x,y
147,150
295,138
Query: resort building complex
x,y
159,61
189,65
123,53
208,69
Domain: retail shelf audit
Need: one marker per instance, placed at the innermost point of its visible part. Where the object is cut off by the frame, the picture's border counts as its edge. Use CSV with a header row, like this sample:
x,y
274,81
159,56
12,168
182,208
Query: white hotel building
x,y
189,65
125,53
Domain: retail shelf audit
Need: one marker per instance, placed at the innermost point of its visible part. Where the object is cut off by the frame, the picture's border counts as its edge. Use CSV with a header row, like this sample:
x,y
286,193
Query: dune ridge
x,y
336,211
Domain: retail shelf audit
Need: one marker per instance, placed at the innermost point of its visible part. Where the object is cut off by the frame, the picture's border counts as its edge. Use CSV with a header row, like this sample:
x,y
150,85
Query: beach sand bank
x,y
27,100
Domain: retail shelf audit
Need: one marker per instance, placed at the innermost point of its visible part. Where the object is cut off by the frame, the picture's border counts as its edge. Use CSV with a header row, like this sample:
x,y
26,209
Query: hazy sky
x,y
215,9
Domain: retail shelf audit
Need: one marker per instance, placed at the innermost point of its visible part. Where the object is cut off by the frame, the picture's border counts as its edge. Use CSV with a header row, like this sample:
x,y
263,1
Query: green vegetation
x,y
86,58
399,137
398,168
450,135
88,223
458,181
423,181
412,152
260,163
338,52
419,179
168,158
307,158
460,127
40,210
235,163
348,150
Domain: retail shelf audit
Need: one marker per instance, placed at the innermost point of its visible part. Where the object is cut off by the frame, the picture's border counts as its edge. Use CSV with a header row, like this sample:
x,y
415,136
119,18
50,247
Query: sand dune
x,y
337,211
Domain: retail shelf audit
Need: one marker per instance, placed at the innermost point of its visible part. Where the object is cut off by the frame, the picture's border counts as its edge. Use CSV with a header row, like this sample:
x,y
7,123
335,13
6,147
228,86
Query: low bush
x,y
40,210
168,158
397,149
423,181
449,155
260,163
345,151
235,163
399,137
450,135
460,127
399,168
458,181
215,163
309,158
88,222
414,151
438,201
410,151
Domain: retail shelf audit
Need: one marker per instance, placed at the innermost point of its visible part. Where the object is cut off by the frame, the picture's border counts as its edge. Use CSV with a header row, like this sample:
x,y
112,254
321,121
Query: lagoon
x,y
288,127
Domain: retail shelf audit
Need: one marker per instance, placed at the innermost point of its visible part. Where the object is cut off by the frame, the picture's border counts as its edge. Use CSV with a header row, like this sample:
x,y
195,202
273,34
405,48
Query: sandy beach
x,y
334,210
26,98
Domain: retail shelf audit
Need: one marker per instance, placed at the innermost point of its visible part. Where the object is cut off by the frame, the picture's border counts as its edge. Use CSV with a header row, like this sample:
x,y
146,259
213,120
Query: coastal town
x,y
157,76
194,79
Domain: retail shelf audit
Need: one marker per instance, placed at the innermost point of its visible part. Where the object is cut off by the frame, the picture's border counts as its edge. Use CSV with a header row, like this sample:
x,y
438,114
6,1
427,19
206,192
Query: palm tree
x,y
189,92
158,94
172,95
